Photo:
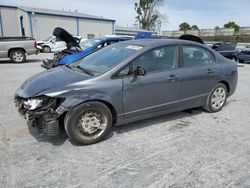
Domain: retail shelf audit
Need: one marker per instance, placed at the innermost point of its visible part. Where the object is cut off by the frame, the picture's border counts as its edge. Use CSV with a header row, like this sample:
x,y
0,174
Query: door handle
x,y
210,71
172,77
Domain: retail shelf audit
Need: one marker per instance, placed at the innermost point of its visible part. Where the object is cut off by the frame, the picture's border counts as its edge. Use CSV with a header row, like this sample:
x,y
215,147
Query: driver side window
x,y
158,59
154,60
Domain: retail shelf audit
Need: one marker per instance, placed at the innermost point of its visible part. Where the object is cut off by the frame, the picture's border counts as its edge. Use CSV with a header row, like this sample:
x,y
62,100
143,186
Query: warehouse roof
x,y
58,12
130,29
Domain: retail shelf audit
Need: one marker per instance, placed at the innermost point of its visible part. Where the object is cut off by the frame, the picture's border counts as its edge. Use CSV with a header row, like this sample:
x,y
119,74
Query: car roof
x,y
159,42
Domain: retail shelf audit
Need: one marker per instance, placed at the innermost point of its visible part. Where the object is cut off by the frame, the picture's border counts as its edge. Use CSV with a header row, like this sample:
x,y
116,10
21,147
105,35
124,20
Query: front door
x,y
158,89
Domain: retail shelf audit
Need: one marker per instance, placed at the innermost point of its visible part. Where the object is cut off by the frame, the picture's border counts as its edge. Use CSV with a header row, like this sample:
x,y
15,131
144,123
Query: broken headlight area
x,y
41,113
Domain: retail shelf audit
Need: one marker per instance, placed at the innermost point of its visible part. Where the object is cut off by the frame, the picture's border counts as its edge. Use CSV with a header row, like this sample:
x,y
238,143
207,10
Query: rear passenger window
x,y
162,58
196,56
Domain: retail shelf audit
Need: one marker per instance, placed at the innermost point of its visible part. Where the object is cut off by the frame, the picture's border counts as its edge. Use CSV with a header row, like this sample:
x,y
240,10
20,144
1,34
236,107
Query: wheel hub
x,y
218,98
90,122
17,56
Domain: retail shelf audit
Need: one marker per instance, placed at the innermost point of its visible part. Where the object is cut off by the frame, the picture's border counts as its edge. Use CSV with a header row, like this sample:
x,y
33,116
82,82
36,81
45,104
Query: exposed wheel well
x,y
45,46
226,84
112,109
12,49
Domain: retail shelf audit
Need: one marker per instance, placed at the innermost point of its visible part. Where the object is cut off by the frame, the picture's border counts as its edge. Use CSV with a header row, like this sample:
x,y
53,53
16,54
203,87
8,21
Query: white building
x,y
40,23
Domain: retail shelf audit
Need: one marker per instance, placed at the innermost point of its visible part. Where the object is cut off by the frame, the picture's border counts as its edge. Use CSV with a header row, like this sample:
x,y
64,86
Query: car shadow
x,y
26,62
62,137
41,137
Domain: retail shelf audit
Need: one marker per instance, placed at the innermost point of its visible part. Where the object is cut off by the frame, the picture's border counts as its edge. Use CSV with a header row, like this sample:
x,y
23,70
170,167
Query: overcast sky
x,y
204,13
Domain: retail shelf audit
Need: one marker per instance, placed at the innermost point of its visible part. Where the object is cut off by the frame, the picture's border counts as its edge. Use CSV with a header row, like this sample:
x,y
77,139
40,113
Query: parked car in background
x,y
243,55
54,44
92,45
125,82
226,49
17,48
72,46
85,48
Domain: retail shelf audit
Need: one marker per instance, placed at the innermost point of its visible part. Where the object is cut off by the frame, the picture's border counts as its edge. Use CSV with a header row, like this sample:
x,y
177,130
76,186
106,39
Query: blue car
x,y
76,50
90,46
244,55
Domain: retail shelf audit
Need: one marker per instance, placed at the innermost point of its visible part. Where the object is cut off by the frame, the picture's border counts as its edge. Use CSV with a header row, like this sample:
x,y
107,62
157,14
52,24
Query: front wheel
x,y
217,98
46,49
88,123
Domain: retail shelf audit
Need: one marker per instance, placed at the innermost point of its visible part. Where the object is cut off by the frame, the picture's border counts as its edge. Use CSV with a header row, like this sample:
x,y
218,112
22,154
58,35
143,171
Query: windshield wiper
x,y
85,70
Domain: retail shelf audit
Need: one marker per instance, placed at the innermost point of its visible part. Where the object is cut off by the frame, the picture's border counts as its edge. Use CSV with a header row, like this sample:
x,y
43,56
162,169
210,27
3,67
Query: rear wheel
x,y
88,123
18,56
217,98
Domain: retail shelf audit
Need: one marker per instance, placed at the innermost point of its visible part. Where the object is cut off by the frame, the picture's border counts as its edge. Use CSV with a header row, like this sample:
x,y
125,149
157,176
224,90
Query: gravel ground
x,y
185,149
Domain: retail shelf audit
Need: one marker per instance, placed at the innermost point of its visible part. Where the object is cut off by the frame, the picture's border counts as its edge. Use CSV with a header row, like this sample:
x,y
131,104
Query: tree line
x,y
230,25
150,18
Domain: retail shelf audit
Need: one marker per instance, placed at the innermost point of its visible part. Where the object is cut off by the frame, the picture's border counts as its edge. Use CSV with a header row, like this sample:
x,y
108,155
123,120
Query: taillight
x,y
35,44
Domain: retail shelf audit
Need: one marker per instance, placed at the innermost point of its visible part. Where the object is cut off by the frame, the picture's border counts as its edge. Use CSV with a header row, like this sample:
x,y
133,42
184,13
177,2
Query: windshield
x,y
102,60
88,43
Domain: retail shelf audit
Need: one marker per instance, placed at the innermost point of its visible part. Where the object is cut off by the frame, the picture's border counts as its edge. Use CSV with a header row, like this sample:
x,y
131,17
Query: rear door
x,y
199,73
159,89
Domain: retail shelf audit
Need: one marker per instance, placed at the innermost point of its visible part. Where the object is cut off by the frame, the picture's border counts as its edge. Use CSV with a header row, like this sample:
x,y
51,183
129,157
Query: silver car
x,y
126,82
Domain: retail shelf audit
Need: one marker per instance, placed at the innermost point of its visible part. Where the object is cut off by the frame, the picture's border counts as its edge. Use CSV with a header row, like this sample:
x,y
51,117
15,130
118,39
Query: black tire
x,y
46,49
18,56
74,125
211,104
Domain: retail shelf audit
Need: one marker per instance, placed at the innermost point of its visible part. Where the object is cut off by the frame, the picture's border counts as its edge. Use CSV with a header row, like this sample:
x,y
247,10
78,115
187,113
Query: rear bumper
x,y
234,82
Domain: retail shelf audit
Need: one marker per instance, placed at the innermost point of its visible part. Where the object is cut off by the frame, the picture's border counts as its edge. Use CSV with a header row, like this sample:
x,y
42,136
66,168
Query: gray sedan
x,y
126,82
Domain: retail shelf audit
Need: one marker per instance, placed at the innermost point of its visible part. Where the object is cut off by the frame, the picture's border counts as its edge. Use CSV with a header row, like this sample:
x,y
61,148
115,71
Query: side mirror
x,y
216,47
139,72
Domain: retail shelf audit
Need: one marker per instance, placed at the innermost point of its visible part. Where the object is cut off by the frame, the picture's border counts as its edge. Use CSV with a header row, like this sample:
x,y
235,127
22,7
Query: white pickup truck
x,y
17,48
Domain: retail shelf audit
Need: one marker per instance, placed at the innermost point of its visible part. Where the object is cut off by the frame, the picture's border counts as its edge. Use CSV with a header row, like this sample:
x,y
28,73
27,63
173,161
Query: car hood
x,y
54,80
40,42
65,36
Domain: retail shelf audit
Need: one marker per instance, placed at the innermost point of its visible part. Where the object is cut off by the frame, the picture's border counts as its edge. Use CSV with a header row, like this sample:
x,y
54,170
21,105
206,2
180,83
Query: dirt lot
x,y
184,149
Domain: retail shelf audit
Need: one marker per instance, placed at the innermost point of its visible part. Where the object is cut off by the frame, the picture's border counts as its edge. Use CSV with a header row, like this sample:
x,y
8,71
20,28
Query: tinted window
x,y
163,58
227,46
245,52
195,56
88,43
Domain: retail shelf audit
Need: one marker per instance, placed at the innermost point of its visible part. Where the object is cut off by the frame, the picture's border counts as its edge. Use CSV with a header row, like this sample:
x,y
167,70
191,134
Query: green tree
x,y
194,27
148,16
184,26
232,25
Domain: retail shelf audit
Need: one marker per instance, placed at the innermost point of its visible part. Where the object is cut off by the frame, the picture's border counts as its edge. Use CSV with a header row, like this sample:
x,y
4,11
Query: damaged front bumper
x,y
45,118
47,64
51,63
